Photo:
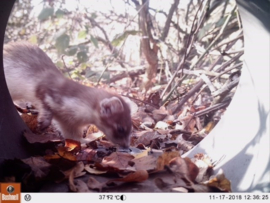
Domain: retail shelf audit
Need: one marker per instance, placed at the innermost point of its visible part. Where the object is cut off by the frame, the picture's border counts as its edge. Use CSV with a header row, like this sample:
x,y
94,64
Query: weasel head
x,y
116,121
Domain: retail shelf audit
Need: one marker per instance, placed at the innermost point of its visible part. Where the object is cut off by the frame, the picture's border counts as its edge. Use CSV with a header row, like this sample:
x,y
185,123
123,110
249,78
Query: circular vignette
x,y
232,138
12,143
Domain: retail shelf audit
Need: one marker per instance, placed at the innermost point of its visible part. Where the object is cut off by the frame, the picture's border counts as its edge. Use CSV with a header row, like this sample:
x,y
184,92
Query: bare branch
x,y
169,19
180,65
212,108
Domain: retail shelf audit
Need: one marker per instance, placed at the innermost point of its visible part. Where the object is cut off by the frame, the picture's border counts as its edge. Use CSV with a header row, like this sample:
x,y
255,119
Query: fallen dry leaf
x,y
188,123
179,189
66,154
106,144
184,168
183,112
143,153
93,133
51,157
137,176
167,183
136,122
92,129
140,115
164,132
73,173
39,166
160,114
116,160
204,163
145,137
203,167
94,136
219,181
80,186
31,122
198,124
147,122
199,108
88,155
93,170
72,145
163,186
201,188
72,185
44,138
147,163
207,160
193,170
208,127
76,171
165,159
22,108
171,187
154,98
93,184
132,105
162,125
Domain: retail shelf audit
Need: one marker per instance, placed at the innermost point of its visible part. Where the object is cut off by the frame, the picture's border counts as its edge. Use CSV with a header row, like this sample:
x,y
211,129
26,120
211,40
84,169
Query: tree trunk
x,y
148,43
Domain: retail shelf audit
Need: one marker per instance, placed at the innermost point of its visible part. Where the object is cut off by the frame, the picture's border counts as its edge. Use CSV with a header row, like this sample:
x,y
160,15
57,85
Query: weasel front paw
x,y
44,122
42,125
44,118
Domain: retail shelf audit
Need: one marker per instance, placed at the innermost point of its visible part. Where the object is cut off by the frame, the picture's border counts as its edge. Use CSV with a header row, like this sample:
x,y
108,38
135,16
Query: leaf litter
x,y
158,140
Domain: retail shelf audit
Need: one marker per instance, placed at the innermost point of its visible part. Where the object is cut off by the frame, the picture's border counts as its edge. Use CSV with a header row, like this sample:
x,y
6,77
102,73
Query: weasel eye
x,y
120,129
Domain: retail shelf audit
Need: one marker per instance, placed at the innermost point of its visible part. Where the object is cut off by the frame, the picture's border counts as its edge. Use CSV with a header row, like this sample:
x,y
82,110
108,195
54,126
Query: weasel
x,y
32,76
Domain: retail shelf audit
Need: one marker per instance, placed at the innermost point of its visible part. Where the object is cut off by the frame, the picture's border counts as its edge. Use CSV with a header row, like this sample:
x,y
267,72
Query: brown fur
x,y
32,76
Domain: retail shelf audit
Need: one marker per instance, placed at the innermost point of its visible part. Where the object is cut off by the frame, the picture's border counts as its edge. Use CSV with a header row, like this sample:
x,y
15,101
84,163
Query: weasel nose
x,y
124,150
124,146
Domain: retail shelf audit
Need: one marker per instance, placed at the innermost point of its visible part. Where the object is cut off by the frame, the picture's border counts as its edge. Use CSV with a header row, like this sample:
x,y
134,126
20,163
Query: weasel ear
x,y
110,106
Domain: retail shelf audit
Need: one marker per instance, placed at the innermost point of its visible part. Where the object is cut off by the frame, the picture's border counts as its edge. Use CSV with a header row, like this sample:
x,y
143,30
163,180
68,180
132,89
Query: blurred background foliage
x,y
136,43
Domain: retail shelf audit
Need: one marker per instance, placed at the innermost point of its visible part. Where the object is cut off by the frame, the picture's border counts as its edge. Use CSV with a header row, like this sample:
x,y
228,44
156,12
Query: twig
x,y
188,95
94,23
201,57
175,25
200,83
229,45
199,72
207,81
224,43
62,57
227,88
230,61
145,102
107,42
190,42
138,8
239,19
216,38
178,131
169,19
102,73
224,9
211,108
233,52
227,70
123,75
